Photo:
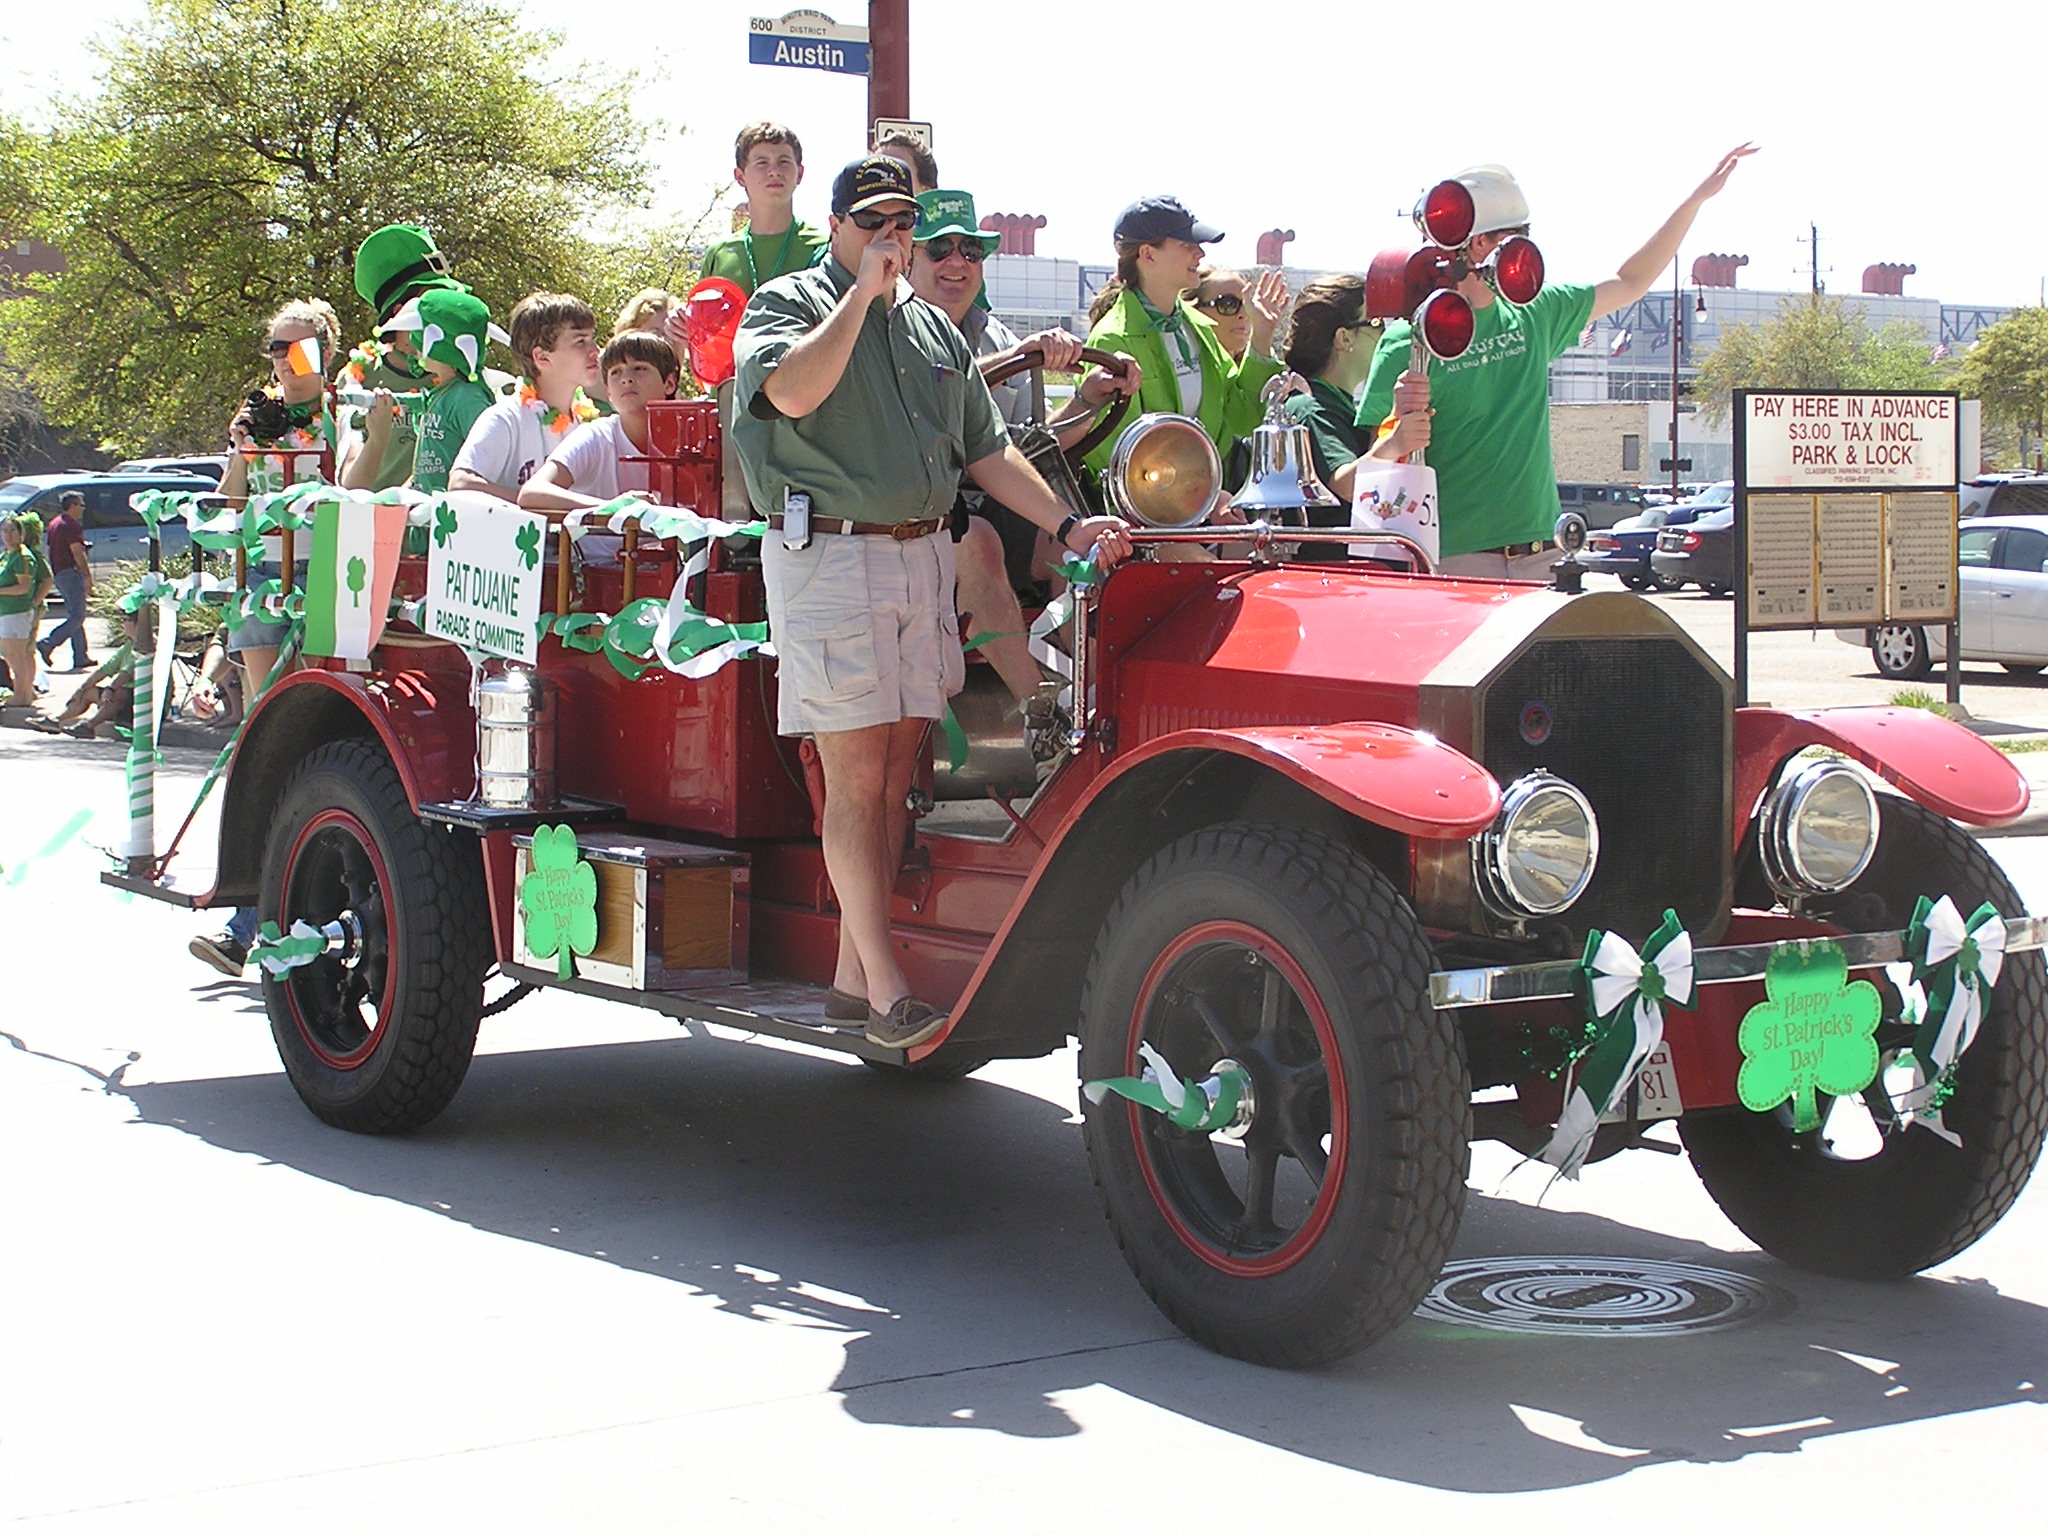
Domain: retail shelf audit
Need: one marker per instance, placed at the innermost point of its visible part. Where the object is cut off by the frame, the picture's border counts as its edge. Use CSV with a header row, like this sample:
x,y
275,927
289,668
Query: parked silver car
x,y
2003,608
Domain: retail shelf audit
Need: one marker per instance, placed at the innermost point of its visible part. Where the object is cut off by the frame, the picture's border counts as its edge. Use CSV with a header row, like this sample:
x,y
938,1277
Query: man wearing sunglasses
x,y
857,408
999,552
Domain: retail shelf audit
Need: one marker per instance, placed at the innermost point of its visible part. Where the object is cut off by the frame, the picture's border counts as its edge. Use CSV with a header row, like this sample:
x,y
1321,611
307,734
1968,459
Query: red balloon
x,y
711,319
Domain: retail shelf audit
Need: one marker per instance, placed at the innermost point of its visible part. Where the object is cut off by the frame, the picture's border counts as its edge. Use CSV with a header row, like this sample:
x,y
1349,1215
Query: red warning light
x,y
1445,323
1518,269
711,319
1446,214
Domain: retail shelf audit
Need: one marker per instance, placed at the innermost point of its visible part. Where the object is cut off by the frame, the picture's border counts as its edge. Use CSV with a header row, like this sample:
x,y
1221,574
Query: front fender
x,y
422,720
1930,759
1406,781
1026,991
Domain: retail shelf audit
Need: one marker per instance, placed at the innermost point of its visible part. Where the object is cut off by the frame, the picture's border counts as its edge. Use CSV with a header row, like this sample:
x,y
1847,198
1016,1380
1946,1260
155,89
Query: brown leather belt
x,y
1517,551
902,533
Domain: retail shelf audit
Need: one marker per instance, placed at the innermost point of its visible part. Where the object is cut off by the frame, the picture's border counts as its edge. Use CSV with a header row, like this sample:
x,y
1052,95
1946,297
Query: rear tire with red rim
x,y
1315,1224
376,1034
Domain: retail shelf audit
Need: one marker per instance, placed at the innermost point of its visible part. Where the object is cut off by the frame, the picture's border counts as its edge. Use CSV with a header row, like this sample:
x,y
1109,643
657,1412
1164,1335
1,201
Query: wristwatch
x,y
1066,527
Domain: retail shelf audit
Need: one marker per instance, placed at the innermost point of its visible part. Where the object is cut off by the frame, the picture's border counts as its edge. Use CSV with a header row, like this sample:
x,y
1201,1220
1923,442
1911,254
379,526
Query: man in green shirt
x,y
857,408
1490,408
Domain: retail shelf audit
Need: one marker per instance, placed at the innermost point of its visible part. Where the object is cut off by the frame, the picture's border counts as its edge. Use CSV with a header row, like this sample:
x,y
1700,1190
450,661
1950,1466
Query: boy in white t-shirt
x,y
554,336
585,471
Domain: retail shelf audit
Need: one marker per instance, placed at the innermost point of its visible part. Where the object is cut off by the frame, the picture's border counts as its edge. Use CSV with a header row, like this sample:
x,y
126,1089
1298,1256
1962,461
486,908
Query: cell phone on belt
x,y
796,519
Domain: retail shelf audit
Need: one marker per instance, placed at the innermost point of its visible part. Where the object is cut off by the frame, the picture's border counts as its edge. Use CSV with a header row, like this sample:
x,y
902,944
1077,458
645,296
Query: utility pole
x,y
888,59
1677,345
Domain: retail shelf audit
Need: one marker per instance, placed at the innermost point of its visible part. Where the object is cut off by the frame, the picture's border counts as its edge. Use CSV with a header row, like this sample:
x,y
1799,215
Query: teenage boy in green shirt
x,y
768,163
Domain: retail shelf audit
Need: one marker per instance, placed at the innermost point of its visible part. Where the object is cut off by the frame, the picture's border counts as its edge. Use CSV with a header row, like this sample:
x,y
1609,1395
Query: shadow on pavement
x,y
951,1233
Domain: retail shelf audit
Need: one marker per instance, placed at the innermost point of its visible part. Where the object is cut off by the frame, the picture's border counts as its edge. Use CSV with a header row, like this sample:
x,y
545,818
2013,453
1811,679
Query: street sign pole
x,y
888,59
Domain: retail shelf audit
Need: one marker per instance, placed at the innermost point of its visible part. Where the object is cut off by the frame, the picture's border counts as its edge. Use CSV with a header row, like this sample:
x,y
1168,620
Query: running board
x,y
155,890
788,1010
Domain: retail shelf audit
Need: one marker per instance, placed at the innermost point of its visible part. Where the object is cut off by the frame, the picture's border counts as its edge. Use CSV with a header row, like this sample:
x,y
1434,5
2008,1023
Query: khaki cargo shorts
x,y
864,629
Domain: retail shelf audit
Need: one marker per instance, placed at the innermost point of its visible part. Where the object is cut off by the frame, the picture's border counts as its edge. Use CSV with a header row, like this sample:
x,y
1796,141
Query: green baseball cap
x,y
950,213
397,262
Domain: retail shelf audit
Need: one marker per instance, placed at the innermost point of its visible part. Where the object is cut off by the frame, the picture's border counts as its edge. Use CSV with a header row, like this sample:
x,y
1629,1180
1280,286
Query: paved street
x,y
642,1279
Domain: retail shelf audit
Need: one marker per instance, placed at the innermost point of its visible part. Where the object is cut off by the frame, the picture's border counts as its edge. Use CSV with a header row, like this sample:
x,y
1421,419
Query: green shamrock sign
x,y
444,524
1814,1034
559,899
528,540
358,575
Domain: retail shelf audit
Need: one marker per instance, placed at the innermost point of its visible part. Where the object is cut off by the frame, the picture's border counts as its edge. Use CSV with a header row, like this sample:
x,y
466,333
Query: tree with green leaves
x,y
2008,370
1816,342
239,152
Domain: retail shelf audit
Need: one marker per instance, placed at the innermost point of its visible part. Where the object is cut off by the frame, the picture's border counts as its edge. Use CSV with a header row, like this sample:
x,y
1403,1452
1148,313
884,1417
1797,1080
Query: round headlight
x,y
1163,471
1538,856
1819,830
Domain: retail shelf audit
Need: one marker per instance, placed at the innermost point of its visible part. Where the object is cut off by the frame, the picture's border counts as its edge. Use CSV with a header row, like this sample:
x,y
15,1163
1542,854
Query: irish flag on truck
x,y
349,574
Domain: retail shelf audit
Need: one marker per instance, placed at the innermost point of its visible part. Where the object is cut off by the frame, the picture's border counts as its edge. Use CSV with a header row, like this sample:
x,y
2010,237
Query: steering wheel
x,y
1112,418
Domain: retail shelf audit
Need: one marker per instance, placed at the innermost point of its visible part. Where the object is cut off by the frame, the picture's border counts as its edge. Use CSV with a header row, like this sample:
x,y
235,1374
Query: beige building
x,y
1625,442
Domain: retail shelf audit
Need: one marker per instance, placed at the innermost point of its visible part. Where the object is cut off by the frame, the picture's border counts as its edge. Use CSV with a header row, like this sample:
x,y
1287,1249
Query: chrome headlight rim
x,y
1115,475
1494,852
1787,865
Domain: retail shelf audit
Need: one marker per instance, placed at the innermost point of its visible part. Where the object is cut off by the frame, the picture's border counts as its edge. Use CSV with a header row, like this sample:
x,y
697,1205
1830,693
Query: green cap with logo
x,y
950,213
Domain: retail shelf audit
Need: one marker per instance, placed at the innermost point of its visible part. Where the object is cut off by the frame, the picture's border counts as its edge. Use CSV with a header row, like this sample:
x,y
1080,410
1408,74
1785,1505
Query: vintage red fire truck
x,y
1320,867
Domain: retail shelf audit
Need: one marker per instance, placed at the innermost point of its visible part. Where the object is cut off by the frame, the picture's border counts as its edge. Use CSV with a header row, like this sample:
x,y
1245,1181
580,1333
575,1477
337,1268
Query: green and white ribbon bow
x,y
1957,962
183,593
1629,991
673,634
278,952
1207,1105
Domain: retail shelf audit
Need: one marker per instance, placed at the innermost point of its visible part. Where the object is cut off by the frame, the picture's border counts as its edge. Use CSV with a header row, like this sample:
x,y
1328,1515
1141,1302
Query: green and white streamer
x,y
672,634
1629,991
678,523
278,952
1956,962
1208,1105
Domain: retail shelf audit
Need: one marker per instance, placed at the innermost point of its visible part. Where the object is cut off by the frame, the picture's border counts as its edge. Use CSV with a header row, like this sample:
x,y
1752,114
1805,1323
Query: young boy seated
x,y
452,331
554,336
586,470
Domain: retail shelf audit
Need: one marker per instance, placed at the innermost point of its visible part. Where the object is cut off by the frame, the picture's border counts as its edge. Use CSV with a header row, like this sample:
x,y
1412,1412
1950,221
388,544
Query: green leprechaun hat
x,y
397,262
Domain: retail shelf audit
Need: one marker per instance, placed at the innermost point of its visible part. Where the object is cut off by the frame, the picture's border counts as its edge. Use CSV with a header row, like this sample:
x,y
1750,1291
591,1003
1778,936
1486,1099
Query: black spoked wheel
x,y
1900,652
1316,1220
375,1034
1862,1196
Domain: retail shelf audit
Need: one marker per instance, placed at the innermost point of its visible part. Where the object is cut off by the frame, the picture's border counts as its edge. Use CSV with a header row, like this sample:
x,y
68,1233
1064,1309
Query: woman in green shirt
x,y
1158,254
1330,343
17,612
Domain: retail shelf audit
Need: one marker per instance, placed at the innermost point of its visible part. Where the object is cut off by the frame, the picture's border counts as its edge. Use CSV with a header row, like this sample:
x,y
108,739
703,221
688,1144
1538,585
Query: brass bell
x,y
1283,475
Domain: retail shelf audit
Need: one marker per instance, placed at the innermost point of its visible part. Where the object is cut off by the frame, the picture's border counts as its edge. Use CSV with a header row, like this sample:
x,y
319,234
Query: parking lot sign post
x,y
1845,514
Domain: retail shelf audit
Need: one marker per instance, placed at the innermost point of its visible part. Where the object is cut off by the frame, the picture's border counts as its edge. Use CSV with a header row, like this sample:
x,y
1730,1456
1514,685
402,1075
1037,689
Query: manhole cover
x,y
1616,1298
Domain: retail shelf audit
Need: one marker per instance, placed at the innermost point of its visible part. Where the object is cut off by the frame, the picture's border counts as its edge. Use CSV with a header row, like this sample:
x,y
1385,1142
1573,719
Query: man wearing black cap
x,y
857,408
1158,249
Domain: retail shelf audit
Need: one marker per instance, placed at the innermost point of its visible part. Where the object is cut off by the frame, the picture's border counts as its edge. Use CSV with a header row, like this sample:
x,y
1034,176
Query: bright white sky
x,y
1873,124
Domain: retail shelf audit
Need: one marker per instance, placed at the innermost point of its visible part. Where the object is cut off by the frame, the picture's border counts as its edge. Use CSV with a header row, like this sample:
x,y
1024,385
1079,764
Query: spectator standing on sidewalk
x,y
72,571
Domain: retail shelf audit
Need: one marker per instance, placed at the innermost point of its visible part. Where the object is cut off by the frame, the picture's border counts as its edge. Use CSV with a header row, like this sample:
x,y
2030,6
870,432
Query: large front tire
x,y
1309,1232
377,1034
1860,1197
